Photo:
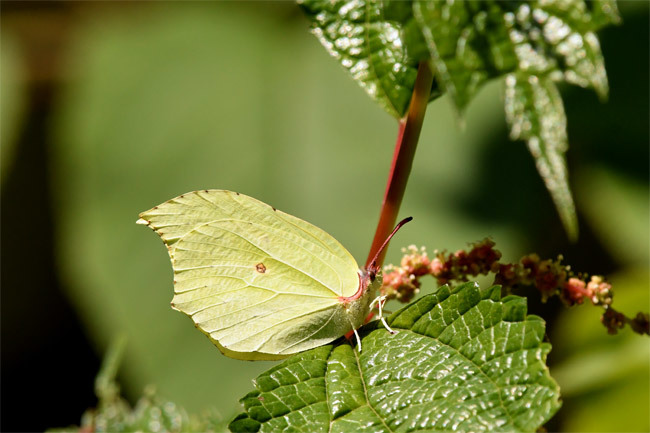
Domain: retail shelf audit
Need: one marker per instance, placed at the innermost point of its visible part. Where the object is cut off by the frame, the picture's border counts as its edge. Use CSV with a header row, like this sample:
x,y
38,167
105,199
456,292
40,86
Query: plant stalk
x,y
407,140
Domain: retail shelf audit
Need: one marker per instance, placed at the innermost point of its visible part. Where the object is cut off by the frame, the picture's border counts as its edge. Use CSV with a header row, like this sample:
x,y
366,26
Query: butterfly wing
x,y
260,283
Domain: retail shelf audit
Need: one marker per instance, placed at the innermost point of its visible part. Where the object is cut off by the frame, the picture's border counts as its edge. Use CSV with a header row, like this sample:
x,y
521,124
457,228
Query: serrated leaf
x,y
369,38
462,360
603,13
535,113
471,42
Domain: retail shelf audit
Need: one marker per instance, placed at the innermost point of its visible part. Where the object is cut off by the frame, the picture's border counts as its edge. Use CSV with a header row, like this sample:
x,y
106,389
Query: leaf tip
x,y
569,219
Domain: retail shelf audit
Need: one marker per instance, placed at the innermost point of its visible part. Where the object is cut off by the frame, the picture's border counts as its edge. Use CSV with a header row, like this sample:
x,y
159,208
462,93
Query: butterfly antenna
x,y
373,268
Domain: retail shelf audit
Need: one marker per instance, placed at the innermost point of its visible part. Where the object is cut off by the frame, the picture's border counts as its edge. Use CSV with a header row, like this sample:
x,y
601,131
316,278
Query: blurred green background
x,y
110,108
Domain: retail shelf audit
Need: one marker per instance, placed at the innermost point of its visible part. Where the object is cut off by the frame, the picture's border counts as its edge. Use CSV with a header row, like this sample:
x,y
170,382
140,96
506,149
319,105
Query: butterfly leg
x,y
381,300
356,334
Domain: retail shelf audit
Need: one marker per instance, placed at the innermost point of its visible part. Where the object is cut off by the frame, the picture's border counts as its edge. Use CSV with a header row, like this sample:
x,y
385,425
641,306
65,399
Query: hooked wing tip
x,y
143,222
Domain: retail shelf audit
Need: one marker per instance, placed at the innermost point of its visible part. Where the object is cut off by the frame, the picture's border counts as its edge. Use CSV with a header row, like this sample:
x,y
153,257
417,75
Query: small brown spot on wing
x,y
260,268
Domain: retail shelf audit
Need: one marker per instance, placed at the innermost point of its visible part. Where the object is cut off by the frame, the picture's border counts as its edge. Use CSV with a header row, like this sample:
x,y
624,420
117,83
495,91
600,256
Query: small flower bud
x,y
399,285
574,291
436,267
600,291
417,262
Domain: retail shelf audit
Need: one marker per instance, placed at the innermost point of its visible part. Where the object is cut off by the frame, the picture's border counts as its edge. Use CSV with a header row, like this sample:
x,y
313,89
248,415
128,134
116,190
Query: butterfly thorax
x,y
358,305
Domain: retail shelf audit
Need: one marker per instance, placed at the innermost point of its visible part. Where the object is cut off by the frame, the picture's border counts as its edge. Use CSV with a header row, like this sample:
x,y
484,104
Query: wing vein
x,y
282,322
278,259
313,333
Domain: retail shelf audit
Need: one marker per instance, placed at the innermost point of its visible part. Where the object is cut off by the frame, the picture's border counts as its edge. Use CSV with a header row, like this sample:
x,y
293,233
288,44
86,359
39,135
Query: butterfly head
x,y
370,276
374,268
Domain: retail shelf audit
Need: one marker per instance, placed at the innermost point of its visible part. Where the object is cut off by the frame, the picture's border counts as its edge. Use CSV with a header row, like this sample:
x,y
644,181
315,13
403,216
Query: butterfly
x,y
260,283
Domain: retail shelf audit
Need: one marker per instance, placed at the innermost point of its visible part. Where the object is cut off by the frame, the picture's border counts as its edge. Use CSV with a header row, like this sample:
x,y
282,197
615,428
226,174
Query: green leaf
x,y
535,113
603,13
462,360
369,38
533,43
469,43
465,44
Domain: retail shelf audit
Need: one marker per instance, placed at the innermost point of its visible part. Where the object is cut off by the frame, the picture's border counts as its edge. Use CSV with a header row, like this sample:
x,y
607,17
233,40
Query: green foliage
x,y
368,40
535,113
462,360
533,44
471,42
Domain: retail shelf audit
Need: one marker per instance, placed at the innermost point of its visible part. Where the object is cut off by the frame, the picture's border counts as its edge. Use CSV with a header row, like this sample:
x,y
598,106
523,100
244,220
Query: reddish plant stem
x,y
407,139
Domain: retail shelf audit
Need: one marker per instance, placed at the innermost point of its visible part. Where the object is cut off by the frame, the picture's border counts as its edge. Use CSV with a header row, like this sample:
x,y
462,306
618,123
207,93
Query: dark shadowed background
x,y
110,108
